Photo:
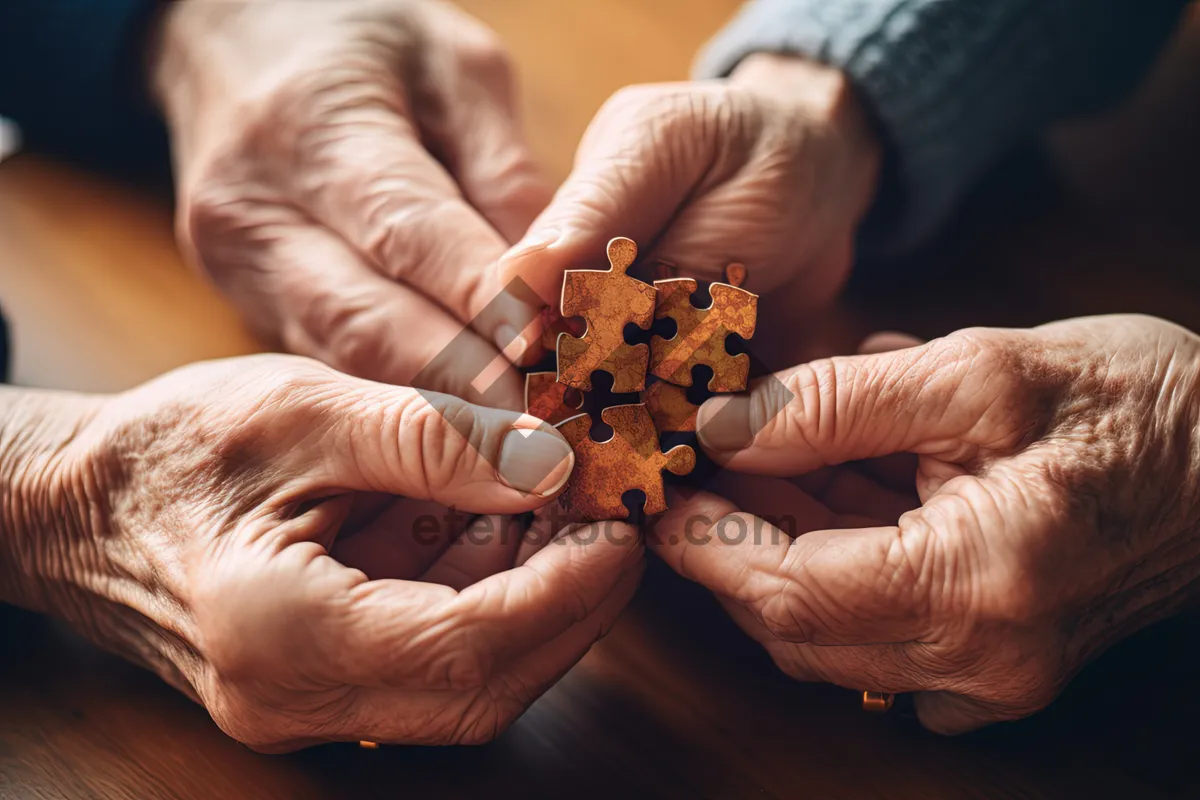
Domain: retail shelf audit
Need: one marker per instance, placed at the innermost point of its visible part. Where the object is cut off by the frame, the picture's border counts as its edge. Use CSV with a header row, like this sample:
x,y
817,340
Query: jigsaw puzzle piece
x,y
701,333
608,300
631,459
670,408
553,324
546,398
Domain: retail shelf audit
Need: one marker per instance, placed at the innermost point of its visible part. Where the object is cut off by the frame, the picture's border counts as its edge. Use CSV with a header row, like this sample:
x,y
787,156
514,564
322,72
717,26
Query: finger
x,y
335,308
403,539
478,136
382,715
934,399
487,153
762,221
487,546
385,194
886,342
460,640
516,611
639,160
841,587
435,447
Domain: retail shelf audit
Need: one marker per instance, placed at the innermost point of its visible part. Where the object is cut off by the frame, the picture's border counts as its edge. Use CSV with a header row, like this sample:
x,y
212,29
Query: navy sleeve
x,y
954,84
71,77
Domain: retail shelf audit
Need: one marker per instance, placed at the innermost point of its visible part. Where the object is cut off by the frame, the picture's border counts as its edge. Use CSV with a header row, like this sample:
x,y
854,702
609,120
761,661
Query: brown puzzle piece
x,y
546,398
608,300
553,324
670,408
700,338
631,459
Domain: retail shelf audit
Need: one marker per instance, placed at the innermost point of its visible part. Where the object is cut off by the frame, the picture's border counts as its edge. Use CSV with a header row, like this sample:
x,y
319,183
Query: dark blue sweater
x,y
952,84
71,77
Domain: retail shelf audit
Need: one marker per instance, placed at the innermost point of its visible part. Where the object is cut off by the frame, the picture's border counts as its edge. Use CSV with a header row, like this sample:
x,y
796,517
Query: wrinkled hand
x,y
273,538
349,173
772,168
1058,479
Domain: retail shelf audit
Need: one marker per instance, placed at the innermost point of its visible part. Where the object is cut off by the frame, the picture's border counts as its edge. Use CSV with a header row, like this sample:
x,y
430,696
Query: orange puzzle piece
x,y
700,338
608,300
670,408
546,398
631,459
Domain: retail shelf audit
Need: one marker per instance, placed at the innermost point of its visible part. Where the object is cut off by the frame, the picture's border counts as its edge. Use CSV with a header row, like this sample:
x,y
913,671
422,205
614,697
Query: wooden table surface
x,y
675,702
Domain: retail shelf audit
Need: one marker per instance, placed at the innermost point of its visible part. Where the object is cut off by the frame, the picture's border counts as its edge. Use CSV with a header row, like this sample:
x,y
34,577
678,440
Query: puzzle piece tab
x,y
553,324
670,408
701,334
608,300
546,398
631,459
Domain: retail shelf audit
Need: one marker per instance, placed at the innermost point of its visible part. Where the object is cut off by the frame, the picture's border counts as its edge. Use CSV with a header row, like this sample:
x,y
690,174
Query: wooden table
x,y
675,702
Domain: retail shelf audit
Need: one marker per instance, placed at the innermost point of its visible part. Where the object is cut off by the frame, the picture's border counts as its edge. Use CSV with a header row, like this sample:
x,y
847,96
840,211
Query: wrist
x,y
45,516
818,90
822,96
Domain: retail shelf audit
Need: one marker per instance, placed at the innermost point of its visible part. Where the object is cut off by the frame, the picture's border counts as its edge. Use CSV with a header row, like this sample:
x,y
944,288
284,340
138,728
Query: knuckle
x,y
983,350
801,407
213,214
461,669
400,232
784,615
633,98
480,51
446,438
355,337
458,662
947,578
653,112
1000,380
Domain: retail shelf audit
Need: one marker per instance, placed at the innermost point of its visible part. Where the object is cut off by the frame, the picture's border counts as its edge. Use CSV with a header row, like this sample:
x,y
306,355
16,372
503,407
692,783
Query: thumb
x,y
639,160
933,400
436,447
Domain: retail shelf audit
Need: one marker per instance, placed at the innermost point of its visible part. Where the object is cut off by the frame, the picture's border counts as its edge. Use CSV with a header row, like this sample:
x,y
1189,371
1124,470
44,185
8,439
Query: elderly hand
x,y
272,537
772,168
1058,480
349,173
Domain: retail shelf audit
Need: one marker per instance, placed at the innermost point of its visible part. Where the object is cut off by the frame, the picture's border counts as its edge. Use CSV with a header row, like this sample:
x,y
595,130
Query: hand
x,y
272,537
1058,478
772,168
349,173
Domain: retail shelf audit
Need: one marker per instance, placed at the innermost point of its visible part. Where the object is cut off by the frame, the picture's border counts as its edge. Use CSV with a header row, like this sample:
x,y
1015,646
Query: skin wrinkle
x,y
235,524
1091,479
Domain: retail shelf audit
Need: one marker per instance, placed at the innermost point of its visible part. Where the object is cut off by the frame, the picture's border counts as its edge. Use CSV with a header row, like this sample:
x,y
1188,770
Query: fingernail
x,y
534,241
723,424
534,461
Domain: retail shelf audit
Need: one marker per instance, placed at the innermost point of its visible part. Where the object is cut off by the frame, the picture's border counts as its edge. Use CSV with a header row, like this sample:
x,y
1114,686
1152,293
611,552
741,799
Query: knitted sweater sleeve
x,y
953,84
70,76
